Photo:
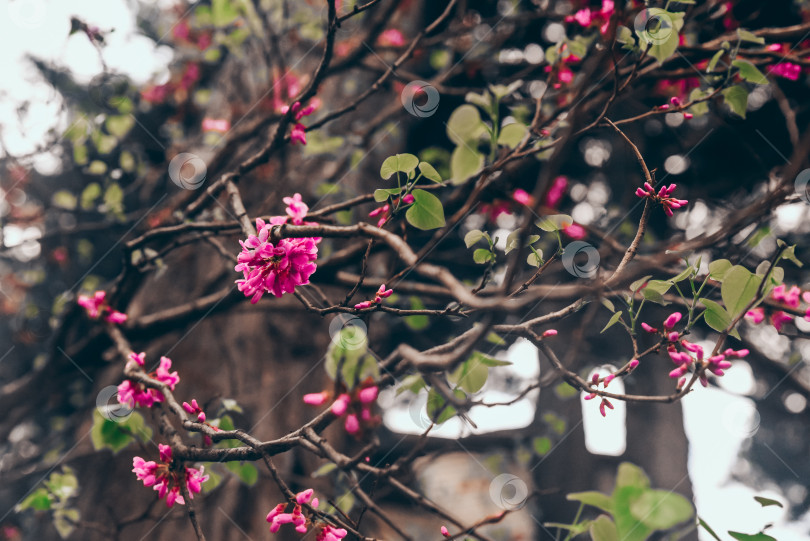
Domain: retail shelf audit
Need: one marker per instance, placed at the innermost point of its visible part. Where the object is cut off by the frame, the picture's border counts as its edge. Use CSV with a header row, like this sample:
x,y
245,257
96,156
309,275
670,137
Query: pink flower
x,y
296,209
362,305
95,307
522,196
330,533
605,403
391,38
278,268
383,293
550,332
663,196
304,496
444,531
779,318
383,212
134,393
194,408
790,298
340,405
116,317
575,231
137,358
755,316
165,480
788,70
648,328
633,364
298,133
352,425
672,320
162,373
368,394
221,125
316,399
556,192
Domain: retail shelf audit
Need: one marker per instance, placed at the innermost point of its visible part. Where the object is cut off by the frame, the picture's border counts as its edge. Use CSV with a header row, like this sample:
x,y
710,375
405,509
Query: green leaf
x,y
484,100
556,423
324,470
713,62
486,360
541,446
630,528
429,172
717,317
64,199
613,320
404,163
89,195
554,222
766,502
436,408
739,289
736,98
418,322
107,434
719,268
465,125
471,375
64,520
603,529
575,529
413,383
493,338
247,473
640,282
465,162
686,273
501,91
472,237
223,12
607,303
790,255
119,125
761,536
39,500
114,197
565,390
483,255
594,499
426,212
708,529
655,289
383,194
514,237
630,475
745,35
512,134
749,72
661,509
661,32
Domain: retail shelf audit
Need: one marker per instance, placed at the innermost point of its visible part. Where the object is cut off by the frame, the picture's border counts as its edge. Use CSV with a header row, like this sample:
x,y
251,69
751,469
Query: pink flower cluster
x,y
95,307
133,393
277,517
585,17
556,192
162,478
347,405
789,297
276,268
788,70
664,197
193,409
382,293
669,325
605,403
159,93
391,38
384,212
676,102
299,131
716,364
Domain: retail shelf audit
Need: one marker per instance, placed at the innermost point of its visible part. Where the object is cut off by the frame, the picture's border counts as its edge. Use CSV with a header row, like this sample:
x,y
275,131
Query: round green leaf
x,y
426,212
405,163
